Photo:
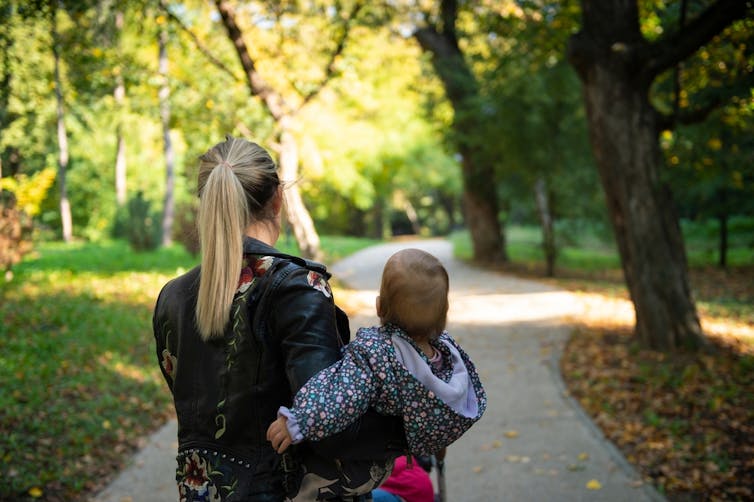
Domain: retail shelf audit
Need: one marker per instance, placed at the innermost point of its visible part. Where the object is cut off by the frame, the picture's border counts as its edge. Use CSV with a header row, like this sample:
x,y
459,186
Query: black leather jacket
x,y
227,391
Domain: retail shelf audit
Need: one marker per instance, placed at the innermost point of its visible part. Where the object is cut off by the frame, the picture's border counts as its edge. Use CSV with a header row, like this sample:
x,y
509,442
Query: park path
x,y
534,443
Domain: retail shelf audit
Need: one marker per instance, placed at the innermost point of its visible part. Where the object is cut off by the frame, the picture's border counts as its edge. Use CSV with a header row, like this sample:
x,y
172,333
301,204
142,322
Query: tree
x,y
168,205
617,65
283,109
65,205
481,208
119,94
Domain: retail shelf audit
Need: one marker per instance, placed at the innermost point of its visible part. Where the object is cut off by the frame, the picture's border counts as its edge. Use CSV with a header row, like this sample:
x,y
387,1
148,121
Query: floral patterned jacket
x,y
374,373
227,391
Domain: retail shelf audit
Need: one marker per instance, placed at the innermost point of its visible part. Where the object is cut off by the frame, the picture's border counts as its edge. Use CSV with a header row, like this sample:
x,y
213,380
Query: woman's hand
x,y
278,435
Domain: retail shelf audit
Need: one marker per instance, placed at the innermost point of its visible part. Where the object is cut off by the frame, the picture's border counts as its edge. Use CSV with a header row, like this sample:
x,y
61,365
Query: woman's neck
x,y
264,231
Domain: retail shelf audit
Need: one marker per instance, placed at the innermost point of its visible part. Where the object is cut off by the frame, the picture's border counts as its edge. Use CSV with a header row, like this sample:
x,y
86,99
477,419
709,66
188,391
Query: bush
x,y
139,224
184,226
15,232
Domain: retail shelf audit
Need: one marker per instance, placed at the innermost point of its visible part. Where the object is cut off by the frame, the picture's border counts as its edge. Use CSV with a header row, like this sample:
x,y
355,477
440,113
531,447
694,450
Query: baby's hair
x,y
414,293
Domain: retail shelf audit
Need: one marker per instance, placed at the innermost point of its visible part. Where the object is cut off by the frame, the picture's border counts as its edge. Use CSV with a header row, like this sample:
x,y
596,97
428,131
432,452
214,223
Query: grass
x,y
81,383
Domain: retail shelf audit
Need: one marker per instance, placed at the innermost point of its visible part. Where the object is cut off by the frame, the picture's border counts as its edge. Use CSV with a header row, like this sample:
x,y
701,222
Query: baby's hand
x,y
277,434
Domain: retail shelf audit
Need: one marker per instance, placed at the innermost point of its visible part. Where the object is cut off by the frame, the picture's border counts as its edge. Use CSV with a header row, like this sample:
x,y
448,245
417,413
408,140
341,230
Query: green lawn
x,y
80,382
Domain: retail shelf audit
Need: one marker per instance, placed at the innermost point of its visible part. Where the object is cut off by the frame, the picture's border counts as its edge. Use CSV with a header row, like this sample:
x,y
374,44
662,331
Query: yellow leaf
x,y
583,456
477,469
511,434
106,424
594,485
35,492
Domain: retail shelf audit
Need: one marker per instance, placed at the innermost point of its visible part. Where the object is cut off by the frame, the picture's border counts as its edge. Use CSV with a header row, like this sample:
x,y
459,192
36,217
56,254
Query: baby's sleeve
x,y
334,398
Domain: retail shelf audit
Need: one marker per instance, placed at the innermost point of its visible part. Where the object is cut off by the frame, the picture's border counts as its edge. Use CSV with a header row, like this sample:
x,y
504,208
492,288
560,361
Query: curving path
x,y
534,442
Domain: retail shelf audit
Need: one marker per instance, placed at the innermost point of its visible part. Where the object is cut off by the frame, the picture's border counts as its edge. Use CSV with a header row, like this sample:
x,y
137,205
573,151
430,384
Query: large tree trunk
x,y
164,94
624,133
479,188
120,156
542,196
65,206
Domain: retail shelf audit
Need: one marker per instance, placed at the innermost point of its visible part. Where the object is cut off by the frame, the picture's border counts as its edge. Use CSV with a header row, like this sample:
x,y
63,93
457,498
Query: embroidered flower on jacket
x,y
246,280
169,363
319,283
195,482
262,264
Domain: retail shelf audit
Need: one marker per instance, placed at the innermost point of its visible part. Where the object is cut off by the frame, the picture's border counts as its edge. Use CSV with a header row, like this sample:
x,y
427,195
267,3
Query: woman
x,y
239,335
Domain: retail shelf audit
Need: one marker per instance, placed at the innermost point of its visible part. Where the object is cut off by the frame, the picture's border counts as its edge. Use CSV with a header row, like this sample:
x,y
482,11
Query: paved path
x,y
533,443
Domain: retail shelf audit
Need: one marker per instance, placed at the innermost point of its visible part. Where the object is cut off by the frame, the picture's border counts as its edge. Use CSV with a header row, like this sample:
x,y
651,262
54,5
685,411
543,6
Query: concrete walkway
x,y
534,442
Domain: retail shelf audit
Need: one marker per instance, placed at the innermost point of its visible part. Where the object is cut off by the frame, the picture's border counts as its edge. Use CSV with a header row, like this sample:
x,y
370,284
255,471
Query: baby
x,y
409,366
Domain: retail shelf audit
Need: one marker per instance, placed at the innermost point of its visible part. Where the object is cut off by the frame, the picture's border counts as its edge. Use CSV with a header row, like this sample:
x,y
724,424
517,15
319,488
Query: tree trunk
x,y
296,213
65,205
164,94
542,196
480,199
624,134
120,156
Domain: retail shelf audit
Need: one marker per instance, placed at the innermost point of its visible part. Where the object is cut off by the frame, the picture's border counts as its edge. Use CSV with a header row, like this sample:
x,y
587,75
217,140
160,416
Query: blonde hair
x,y
237,180
414,293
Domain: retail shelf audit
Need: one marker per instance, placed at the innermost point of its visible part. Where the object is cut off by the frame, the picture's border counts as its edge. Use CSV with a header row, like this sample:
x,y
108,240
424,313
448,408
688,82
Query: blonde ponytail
x,y
237,179
223,217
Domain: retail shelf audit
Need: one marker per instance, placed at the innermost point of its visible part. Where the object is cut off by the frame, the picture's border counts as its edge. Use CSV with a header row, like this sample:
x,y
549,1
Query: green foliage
x,y
140,225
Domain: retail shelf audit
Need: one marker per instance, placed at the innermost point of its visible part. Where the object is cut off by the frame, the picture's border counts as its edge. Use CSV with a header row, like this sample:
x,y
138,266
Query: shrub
x,y
139,224
15,232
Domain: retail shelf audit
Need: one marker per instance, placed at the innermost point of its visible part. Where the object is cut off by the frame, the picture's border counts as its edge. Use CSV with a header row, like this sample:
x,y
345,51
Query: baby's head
x,y
414,293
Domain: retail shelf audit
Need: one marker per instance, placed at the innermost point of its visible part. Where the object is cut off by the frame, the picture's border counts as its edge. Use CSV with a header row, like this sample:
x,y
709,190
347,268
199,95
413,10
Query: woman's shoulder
x,y
182,285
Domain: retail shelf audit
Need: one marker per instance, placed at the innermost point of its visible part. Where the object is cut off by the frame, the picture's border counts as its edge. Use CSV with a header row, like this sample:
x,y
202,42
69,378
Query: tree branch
x,y
276,105
668,122
198,43
340,46
449,14
676,47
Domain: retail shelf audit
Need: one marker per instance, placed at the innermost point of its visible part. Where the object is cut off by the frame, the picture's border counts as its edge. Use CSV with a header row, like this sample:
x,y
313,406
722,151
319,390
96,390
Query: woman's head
x,y
238,186
414,293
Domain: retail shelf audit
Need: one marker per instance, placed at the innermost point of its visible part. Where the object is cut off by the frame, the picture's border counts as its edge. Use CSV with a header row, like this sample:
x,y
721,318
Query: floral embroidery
x,y
262,265
319,283
169,363
254,266
195,482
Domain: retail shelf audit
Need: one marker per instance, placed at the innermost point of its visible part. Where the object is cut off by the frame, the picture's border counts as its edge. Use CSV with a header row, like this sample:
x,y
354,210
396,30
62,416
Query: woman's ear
x,y
277,200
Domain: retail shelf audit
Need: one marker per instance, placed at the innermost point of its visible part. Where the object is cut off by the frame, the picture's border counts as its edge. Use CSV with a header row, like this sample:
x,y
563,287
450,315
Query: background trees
x,y
400,117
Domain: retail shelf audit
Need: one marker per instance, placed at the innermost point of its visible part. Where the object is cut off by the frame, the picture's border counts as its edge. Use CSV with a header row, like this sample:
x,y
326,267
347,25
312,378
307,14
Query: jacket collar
x,y
255,246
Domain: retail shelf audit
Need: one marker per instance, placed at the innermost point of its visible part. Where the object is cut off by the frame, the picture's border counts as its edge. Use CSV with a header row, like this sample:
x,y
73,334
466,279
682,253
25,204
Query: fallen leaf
x,y
477,469
511,434
594,485
583,456
35,492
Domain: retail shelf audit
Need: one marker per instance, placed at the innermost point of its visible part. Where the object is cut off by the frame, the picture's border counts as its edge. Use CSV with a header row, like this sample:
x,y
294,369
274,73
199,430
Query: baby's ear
x,y
378,305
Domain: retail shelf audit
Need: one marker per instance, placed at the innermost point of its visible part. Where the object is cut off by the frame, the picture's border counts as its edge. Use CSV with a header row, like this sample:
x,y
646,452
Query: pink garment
x,y
411,483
